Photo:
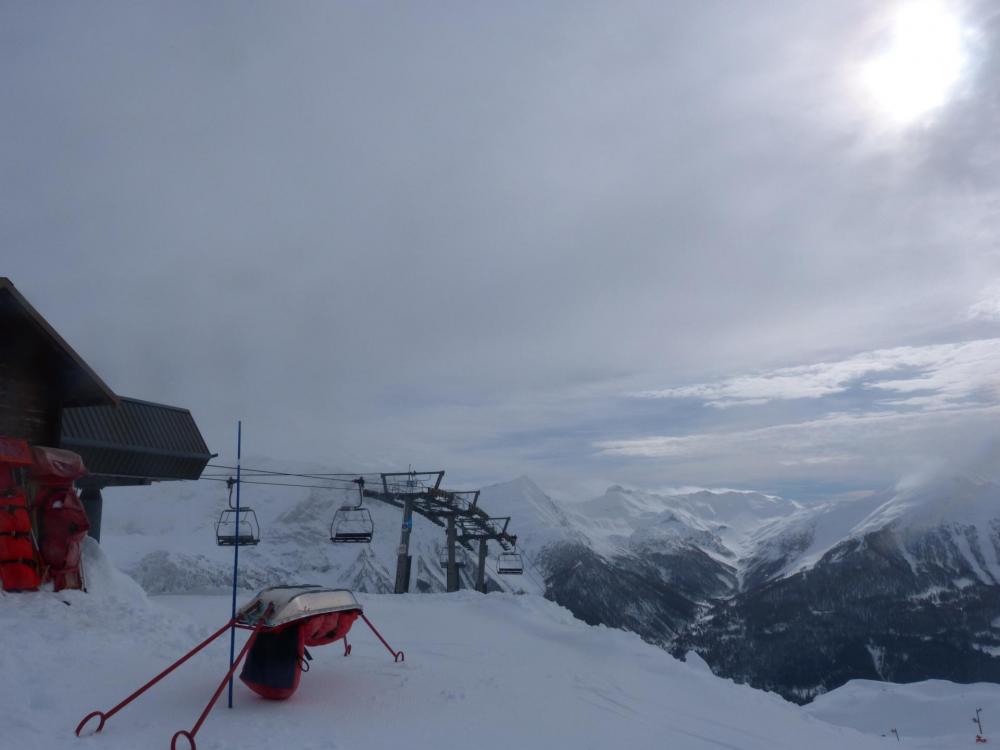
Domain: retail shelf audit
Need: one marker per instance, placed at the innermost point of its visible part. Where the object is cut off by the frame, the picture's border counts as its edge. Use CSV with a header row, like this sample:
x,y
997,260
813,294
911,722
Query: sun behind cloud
x,y
922,62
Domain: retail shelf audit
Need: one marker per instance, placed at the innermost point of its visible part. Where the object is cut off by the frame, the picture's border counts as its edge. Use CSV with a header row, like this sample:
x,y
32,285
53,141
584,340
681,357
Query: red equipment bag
x,y
56,466
279,657
276,662
64,525
62,519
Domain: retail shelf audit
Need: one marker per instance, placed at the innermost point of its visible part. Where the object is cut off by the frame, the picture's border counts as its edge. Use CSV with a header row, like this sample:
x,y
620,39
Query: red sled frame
x,y
189,735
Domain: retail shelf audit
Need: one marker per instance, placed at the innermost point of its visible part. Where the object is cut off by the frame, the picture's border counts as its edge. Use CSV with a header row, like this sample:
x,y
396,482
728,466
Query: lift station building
x,y
49,396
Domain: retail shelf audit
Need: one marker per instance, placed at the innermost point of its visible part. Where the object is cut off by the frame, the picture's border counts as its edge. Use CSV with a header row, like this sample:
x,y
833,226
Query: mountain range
x,y
899,585
902,585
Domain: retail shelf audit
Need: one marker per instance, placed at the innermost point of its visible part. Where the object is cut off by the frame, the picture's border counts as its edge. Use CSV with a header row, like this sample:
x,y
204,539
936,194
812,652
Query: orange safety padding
x,y
8,482
18,564
15,521
14,513
19,577
16,548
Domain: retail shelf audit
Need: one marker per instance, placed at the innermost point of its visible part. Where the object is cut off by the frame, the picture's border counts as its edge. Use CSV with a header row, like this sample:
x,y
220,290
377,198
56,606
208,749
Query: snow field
x,y
496,671
930,715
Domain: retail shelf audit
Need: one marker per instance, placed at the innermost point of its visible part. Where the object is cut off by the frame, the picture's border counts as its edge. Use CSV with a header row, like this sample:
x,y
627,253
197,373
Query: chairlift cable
x,y
318,475
278,484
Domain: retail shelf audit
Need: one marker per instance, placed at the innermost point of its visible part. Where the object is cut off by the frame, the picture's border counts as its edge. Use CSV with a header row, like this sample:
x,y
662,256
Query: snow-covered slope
x,y
749,580
934,714
497,671
536,518
900,586
765,537
724,522
960,516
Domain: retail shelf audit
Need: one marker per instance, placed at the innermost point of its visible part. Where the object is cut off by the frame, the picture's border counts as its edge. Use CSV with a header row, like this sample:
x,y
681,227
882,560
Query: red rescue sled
x,y
283,620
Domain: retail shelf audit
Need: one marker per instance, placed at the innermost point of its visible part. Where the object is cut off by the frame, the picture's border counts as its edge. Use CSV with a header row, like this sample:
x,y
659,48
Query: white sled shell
x,y
290,603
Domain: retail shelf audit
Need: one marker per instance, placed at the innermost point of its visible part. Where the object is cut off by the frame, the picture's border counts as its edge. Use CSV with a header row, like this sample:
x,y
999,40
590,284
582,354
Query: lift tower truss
x,y
482,530
458,512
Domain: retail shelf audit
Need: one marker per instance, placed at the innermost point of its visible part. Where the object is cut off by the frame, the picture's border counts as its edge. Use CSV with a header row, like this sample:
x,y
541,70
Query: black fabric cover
x,y
272,666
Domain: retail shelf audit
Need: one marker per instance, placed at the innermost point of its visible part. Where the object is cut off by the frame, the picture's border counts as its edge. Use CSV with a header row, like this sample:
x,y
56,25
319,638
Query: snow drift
x,y
515,671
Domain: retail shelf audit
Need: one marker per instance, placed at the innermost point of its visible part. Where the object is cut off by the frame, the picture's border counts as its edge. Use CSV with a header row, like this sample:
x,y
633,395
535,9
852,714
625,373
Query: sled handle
x,y
105,715
186,735
189,735
88,717
397,656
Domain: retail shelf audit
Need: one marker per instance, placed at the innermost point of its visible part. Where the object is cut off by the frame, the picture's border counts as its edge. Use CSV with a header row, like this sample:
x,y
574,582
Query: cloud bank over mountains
x,y
905,409
467,236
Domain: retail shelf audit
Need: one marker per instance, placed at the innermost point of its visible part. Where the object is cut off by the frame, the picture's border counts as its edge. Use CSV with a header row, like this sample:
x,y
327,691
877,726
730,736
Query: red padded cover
x,y
56,464
272,668
323,629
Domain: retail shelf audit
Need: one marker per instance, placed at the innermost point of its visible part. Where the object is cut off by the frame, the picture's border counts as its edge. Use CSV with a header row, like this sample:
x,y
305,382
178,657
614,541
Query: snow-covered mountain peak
x,y
956,500
724,521
536,518
960,508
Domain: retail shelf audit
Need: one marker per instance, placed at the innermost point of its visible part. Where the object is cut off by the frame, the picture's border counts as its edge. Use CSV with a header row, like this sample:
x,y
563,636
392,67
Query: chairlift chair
x,y
353,523
443,557
509,563
236,526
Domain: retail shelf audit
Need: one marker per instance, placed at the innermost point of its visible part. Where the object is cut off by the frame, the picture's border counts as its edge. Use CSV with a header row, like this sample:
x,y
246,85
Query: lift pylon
x,y
458,512
483,530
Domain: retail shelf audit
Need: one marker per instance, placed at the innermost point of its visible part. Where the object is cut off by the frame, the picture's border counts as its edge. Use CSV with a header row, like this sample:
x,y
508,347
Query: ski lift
x,y
509,563
411,482
353,523
443,557
236,527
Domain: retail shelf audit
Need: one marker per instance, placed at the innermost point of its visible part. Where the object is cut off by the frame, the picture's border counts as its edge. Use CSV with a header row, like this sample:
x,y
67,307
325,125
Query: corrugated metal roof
x,y
136,439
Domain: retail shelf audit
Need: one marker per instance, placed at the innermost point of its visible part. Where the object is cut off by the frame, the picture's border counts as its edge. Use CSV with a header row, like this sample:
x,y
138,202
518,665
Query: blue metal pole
x,y
236,556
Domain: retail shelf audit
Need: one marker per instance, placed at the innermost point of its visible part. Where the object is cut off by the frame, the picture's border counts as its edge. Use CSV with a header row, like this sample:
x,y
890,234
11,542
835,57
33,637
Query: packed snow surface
x,y
492,671
934,714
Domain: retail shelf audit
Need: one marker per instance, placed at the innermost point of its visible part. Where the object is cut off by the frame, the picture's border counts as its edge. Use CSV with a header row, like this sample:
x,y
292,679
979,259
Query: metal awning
x,y
135,442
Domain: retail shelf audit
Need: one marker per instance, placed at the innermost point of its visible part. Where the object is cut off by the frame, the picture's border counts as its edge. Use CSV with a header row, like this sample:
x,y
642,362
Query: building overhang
x,y
73,381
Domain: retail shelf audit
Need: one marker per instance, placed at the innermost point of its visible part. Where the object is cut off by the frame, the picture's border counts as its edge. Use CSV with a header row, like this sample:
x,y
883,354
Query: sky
x,y
750,245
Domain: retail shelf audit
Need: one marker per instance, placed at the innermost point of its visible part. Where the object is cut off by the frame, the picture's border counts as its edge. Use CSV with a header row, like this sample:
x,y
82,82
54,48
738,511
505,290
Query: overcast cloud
x,y
516,238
